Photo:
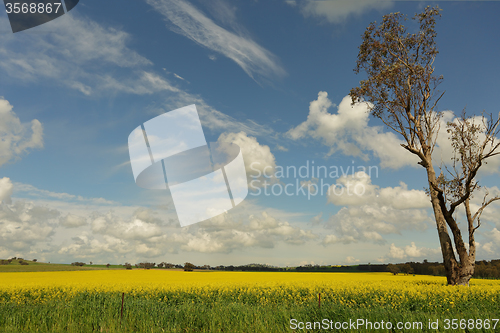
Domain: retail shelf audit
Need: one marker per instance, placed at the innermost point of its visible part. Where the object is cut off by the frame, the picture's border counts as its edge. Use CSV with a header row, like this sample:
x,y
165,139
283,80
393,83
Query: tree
x,y
146,265
407,269
188,267
401,90
394,269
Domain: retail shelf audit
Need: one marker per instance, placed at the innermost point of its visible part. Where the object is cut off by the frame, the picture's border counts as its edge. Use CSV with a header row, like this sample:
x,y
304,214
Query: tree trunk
x,y
457,273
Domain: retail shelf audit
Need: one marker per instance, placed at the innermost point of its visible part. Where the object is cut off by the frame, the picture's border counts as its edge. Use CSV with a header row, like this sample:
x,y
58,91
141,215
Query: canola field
x,y
212,301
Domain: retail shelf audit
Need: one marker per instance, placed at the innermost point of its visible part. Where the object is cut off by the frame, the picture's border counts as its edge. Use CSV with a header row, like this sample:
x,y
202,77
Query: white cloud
x,y
24,225
179,77
73,221
357,190
17,138
337,11
29,191
134,228
59,58
351,260
5,190
260,163
193,24
62,228
83,55
411,252
443,153
213,119
347,131
492,247
281,148
396,252
80,43
224,234
88,247
371,211
317,219
224,12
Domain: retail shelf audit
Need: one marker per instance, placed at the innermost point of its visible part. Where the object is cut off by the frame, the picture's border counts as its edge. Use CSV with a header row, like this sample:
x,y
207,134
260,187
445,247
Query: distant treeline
x,y
484,269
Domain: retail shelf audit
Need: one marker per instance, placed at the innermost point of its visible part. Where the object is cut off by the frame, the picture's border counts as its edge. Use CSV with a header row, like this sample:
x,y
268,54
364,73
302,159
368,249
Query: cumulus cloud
x,y
24,225
190,22
396,252
72,221
370,211
225,234
135,228
351,260
357,190
339,10
410,252
5,190
260,163
348,132
17,138
368,223
492,245
58,226
85,246
443,153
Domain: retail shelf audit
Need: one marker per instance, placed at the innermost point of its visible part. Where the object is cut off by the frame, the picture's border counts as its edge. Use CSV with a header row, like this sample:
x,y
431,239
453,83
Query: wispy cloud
x,y
187,20
337,11
33,192
88,57
213,119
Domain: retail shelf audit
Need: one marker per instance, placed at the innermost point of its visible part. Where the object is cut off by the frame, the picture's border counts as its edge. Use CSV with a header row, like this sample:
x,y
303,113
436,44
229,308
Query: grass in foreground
x,y
169,301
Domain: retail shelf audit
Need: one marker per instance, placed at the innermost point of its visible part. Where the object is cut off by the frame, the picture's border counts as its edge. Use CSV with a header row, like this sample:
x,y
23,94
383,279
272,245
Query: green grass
x,y
101,313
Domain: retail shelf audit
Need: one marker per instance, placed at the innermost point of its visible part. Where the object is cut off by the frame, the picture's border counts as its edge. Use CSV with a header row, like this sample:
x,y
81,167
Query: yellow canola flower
x,y
346,289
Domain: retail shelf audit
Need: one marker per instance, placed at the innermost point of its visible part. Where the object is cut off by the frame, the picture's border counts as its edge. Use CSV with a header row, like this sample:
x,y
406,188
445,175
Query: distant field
x,y
214,301
32,266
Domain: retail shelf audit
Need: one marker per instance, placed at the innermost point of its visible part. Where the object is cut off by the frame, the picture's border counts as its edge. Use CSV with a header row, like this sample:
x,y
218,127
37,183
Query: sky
x,y
272,77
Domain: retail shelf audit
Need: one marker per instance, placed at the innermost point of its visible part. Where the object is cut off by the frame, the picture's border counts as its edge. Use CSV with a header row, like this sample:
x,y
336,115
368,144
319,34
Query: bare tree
x,y
401,90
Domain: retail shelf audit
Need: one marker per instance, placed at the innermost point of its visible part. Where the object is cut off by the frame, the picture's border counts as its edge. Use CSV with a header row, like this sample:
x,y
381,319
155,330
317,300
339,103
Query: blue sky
x,y
270,76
